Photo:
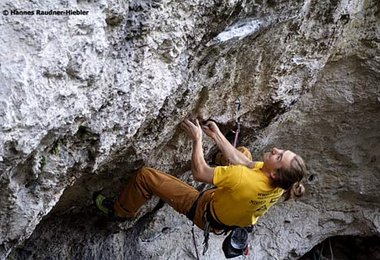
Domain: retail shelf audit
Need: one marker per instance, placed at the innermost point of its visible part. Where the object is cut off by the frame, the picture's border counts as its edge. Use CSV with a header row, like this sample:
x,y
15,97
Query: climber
x,y
244,190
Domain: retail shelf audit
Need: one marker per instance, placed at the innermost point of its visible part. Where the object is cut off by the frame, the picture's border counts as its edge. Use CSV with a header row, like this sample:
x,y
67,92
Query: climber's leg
x,y
148,182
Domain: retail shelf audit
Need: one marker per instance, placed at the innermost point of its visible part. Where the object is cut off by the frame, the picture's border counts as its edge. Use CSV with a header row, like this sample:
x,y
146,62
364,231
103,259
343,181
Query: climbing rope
x,y
237,120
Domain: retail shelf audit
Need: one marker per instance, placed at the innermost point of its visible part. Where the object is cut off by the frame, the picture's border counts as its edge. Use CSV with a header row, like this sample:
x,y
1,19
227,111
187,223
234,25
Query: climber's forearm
x,y
200,169
234,156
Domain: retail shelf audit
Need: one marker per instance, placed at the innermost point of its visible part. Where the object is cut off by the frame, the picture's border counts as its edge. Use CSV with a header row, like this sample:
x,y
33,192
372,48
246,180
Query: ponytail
x,y
296,191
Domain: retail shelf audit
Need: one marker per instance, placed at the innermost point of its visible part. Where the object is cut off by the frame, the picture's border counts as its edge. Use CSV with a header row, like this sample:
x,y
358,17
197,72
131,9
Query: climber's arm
x,y
233,155
200,169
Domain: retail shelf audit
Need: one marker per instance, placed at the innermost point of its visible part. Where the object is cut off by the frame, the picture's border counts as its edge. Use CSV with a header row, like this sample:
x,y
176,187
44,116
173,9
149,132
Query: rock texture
x,y
87,99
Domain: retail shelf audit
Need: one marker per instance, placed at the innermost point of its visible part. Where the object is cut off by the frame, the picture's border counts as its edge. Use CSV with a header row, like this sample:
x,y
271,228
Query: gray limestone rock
x,y
85,100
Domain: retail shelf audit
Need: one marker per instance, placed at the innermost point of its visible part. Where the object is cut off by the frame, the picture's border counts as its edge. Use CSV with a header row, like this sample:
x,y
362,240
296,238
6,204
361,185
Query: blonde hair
x,y
290,178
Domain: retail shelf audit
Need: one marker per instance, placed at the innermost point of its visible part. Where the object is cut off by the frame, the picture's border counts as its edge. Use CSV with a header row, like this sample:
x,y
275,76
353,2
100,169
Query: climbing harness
x,y
235,244
207,228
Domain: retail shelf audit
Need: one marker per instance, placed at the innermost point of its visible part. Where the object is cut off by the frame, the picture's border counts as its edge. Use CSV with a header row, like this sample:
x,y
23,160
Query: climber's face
x,y
277,159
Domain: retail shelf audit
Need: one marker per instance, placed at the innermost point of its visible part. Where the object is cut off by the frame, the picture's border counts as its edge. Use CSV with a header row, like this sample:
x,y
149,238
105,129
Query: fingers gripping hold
x,y
194,130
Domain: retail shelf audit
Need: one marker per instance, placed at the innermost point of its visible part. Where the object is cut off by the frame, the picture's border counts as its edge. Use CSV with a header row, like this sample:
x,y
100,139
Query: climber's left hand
x,y
194,130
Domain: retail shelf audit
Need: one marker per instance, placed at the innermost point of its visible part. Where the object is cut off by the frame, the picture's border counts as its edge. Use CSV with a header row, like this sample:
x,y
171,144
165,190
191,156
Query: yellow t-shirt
x,y
243,194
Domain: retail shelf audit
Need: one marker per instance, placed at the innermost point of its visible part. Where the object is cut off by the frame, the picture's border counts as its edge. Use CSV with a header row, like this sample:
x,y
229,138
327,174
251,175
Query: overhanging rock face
x,y
86,100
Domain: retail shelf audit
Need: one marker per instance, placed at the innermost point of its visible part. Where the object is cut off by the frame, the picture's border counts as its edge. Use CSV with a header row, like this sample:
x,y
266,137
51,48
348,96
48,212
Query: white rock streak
x,y
238,31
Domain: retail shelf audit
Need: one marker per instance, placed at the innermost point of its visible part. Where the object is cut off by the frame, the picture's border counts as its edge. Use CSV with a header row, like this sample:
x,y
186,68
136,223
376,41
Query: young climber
x,y
244,190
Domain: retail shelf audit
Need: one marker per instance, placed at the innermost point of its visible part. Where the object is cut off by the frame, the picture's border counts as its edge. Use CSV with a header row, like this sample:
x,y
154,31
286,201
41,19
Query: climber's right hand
x,y
211,129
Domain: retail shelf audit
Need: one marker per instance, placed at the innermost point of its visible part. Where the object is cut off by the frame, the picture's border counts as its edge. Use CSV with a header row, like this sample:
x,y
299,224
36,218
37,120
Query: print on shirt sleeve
x,y
256,202
262,208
